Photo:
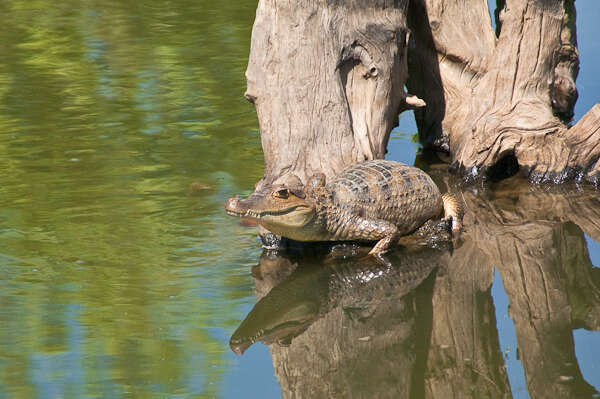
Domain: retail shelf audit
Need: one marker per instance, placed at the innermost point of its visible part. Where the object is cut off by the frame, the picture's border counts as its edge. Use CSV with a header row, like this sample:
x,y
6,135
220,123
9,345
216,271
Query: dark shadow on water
x,y
424,324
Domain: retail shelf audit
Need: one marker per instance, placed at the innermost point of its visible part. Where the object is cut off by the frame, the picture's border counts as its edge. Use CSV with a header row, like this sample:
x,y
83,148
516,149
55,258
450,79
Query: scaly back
x,y
387,190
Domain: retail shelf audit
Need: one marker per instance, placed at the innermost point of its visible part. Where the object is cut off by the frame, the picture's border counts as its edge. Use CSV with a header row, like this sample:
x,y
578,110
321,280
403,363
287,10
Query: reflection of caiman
x,y
314,290
371,201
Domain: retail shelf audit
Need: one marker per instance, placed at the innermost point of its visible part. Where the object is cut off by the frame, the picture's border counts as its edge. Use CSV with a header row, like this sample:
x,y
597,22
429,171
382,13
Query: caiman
x,y
370,201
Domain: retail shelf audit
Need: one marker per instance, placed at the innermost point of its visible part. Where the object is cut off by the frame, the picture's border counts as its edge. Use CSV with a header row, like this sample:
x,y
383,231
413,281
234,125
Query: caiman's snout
x,y
232,206
242,207
275,206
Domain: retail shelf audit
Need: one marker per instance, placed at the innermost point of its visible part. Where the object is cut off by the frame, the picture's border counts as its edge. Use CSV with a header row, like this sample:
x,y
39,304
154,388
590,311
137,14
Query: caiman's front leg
x,y
385,232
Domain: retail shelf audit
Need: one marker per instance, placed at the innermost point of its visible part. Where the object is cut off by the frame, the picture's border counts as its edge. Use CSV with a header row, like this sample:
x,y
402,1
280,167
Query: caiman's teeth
x,y
251,213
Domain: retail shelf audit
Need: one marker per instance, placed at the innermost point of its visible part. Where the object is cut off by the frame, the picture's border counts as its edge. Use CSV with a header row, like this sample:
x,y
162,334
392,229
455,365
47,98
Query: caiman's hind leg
x,y
386,243
372,230
453,212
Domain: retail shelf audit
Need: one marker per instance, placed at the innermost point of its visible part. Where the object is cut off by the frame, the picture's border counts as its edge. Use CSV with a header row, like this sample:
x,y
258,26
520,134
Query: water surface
x,y
123,129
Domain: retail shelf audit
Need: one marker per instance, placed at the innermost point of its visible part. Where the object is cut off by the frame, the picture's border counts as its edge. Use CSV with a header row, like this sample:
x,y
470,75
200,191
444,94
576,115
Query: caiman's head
x,y
279,208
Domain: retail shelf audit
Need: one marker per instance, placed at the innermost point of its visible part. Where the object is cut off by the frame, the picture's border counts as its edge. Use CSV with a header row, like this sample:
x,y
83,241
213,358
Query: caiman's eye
x,y
284,193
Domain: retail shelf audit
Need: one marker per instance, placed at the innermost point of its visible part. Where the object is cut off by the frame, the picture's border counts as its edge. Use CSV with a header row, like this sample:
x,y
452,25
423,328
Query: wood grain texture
x,y
326,78
491,97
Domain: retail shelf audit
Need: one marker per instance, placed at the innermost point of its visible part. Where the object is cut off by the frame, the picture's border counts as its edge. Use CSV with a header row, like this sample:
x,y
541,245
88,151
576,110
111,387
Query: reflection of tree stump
x,y
340,357
534,279
361,342
464,358
523,233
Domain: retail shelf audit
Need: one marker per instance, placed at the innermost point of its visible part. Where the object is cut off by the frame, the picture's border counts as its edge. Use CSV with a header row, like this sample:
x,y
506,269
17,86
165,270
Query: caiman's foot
x,y
382,230
453,212
385,244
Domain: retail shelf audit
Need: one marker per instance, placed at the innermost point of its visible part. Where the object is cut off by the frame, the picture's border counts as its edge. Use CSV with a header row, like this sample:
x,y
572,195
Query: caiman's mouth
x,y
251,213
278,219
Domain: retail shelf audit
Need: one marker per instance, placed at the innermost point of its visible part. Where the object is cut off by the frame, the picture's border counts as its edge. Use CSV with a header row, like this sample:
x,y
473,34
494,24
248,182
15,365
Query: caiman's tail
x,y
453,211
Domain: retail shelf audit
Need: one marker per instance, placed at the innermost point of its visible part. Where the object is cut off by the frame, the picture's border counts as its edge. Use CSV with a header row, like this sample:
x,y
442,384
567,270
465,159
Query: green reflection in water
x,y
118,279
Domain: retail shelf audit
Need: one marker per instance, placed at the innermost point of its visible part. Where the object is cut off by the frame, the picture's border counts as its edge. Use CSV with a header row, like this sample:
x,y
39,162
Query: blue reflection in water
x,y
492,8
593,250
588,31
400,147
587,343
252,372
60,374
507,336
587,350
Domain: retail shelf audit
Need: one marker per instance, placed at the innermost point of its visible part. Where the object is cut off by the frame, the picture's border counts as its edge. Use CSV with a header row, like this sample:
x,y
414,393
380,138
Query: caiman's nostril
x,y
232,203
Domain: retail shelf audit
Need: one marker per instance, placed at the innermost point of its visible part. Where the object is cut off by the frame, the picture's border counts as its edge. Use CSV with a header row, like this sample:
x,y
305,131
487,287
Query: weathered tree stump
x,y
500,103
327,79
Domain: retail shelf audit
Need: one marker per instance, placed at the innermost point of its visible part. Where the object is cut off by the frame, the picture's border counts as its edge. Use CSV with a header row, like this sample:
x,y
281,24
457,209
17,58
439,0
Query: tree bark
x,y
327,80
500,104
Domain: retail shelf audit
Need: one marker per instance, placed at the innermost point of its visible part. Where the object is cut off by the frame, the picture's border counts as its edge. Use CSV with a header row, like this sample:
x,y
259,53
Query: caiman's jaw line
x,y
243,214
250,213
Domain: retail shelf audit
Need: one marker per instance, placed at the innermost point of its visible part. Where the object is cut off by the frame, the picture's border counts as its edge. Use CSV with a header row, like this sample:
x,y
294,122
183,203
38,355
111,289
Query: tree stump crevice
x,y
327,81
510,95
